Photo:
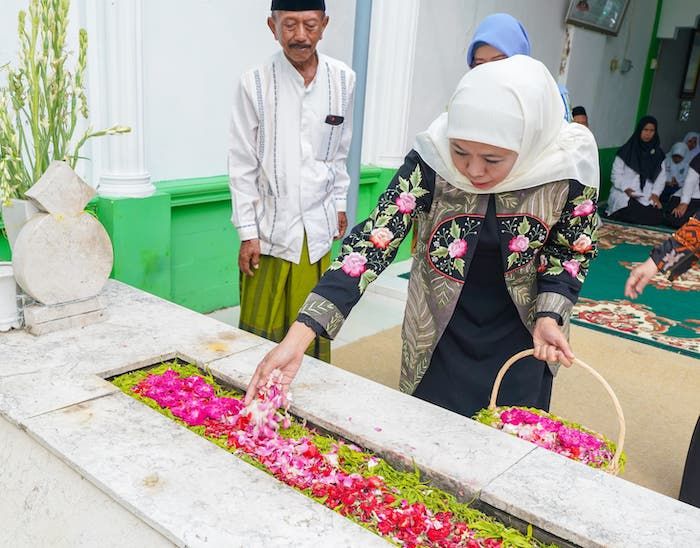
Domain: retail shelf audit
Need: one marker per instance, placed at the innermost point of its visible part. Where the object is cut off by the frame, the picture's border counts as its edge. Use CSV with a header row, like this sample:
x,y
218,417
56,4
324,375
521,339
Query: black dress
x,y
690,486
485,330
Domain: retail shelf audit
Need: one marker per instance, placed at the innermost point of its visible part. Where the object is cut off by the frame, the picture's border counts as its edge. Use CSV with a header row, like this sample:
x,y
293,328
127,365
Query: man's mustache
x,y
300,46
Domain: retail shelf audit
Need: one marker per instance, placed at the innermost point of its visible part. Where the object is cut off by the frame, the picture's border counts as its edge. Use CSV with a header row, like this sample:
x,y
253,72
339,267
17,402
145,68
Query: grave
x,y
85,464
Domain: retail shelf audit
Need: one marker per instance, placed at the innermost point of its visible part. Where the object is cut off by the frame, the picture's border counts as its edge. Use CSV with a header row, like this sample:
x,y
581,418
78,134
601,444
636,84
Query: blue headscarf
x,y
503,32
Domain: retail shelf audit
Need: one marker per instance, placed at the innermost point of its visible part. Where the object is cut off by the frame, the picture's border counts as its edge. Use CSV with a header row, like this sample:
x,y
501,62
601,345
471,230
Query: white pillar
x,y
389,81
115,33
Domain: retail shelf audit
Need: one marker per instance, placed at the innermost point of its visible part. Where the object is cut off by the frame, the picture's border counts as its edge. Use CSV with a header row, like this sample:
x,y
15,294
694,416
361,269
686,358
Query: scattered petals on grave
x,y
395,504
553,433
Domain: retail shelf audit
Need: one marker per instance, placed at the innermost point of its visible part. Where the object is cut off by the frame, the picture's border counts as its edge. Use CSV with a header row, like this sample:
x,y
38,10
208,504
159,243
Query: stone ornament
x,y
63,253
60,191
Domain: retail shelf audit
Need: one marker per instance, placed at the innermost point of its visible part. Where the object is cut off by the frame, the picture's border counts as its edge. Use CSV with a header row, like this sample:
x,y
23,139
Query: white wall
x,y
194,52
445,29
677,13
611,98
8,31
665,101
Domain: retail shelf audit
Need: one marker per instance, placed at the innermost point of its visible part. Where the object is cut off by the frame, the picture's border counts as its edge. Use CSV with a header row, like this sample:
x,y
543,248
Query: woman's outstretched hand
x,y
550,343
639,278
285,357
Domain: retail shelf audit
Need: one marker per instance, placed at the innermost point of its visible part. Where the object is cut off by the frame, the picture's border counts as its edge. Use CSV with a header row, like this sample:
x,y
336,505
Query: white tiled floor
x,y
380,308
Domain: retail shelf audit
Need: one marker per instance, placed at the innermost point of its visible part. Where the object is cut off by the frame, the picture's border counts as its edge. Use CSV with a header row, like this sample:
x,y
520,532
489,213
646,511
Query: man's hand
x,y
639,278
550,343
629,192
654,199
249,256
342,225
680,210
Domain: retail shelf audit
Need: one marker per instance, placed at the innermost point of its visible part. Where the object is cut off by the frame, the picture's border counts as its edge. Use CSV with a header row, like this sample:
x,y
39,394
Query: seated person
x,y
686,201
676,170
579,116
638,177
692,141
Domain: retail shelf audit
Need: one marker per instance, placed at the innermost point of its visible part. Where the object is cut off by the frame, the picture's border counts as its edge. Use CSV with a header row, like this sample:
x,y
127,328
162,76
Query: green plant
x,y
43,100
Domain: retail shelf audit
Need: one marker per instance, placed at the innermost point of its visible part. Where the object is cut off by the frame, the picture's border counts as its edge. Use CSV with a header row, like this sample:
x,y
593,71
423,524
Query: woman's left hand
x,y
550,343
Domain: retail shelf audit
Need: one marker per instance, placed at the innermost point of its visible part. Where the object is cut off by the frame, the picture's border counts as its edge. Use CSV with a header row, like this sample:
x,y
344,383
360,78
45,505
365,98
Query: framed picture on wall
x,y
599,15
692,67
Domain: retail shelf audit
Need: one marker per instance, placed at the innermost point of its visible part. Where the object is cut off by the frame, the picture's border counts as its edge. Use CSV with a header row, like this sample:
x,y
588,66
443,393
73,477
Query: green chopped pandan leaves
x,y
487,417
407,485
295,431
324,443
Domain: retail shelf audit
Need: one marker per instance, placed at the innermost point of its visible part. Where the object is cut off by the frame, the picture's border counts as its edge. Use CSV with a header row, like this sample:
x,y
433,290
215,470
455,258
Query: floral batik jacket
x,y
548,239
677,254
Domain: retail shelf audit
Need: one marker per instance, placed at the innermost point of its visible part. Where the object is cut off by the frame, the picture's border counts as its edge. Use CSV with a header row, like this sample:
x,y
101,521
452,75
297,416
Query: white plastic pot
x,y
9,316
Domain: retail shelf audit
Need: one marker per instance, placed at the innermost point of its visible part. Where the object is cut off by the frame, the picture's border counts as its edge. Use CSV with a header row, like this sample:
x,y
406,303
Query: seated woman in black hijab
x,y
638,177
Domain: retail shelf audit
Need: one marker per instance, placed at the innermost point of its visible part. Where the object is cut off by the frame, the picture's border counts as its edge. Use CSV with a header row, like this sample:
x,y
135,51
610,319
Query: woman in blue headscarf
x,y
498,36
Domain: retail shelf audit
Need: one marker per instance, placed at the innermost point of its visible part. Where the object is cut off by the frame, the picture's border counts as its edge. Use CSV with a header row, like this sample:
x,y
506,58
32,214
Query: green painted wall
x,y
606,156
178,244
652,53
5,254
204,244
140,232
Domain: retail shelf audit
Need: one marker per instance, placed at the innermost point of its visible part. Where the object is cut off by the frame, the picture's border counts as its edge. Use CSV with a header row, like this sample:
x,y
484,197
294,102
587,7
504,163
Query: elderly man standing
x,y
290,133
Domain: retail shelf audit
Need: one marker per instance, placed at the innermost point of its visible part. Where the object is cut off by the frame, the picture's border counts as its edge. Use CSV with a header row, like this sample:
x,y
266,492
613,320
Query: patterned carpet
x,y
666,315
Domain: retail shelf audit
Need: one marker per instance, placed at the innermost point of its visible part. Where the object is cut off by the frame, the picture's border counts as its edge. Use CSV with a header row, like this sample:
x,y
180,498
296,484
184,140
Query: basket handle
x,y
615,464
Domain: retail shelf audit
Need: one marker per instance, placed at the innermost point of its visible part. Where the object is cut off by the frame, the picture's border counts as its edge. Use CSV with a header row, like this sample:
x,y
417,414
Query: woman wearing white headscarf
x,y
505,191
676,171
692,141
685,203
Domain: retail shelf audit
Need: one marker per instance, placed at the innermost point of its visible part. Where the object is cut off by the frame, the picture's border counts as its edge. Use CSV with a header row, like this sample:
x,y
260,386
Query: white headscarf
x,y
514,104
677,170
692,153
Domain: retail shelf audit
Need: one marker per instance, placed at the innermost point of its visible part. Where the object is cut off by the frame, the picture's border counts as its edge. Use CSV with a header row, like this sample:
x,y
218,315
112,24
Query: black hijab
x,y
644,158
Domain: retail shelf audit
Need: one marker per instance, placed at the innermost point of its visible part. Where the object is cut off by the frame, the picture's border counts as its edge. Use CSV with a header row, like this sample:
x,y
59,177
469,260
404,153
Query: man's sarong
x,y
271,299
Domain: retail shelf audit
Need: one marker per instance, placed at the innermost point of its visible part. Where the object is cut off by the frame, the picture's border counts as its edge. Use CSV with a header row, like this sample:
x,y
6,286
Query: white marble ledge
x,y
591,508
46,504
140,327
460,454
185,487
24,396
